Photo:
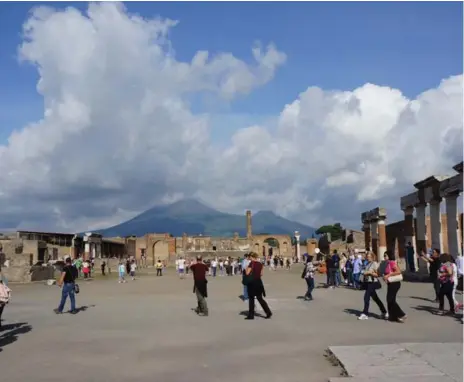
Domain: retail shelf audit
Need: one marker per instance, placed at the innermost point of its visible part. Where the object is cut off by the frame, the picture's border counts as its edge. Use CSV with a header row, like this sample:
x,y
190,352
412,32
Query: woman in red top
x,y
256,287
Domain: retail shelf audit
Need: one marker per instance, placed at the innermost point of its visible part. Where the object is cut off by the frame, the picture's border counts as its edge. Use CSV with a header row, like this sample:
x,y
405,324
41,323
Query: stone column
x,y
374,236
452,224
435,224
409,234
367,236
382,247
86,251
298,251
421,231
248,225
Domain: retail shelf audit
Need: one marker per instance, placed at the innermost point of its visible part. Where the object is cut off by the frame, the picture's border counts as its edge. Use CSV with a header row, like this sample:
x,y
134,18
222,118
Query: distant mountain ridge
x,y
194,218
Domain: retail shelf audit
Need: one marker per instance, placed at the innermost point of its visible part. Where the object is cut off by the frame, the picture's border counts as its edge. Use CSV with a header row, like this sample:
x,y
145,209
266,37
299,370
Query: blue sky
x,y
409,46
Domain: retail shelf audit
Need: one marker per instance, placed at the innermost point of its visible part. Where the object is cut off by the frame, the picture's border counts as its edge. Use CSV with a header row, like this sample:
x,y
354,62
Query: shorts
x,y
132,273
181,270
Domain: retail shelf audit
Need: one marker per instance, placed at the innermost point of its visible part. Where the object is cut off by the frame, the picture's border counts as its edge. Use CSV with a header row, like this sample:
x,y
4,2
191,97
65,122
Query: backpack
x,y
5,294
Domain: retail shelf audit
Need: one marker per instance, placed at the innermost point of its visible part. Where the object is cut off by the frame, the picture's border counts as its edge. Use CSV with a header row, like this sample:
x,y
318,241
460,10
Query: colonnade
x,y
431,192
375,234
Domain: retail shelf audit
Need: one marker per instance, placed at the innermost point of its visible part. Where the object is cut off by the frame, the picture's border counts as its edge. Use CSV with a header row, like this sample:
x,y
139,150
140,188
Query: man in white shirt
x,y
181,267
214,265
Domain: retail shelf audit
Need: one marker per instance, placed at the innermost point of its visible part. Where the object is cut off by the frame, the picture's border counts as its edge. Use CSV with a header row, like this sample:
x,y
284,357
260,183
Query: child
x,y
122,272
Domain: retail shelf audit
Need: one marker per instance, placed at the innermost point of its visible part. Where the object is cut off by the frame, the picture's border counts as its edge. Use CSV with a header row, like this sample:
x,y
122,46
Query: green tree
x,y
335,231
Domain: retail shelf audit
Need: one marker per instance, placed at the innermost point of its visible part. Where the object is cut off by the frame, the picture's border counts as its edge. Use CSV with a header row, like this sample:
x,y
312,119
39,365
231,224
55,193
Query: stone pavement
x,y
146,331
407,362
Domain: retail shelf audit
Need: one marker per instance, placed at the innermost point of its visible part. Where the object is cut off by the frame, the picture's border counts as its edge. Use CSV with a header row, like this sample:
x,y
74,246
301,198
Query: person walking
x,y
245,263
255,287
122,272
371,283
308,276
199,270
103,266
393,277
434,265
445,276
5,294
68,286
357,269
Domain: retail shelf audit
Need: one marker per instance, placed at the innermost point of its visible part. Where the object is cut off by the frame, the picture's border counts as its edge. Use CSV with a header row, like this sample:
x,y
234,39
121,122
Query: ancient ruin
x,y
437,230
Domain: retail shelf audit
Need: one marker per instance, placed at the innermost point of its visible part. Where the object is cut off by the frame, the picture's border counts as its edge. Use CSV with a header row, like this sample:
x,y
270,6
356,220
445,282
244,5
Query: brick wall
x,y
395,234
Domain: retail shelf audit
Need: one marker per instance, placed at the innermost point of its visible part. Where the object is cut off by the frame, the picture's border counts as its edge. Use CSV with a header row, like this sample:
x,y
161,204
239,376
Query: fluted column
x,y
435,224
452,224
248,225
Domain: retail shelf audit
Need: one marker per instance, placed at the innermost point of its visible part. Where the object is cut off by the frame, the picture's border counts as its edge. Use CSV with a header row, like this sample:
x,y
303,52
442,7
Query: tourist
x,y
103,266
68,286
335,270
5,294
226,266
460,267
393,277
181,267
86,269
288,264
342,268
410,257
349,270
445,277
308,275
245,263
187,266
275,262
122,272
434,266
221,267
159,268
214,265
199,270
255,287
457,305
371,283
281,261
133,267
234,266
357,269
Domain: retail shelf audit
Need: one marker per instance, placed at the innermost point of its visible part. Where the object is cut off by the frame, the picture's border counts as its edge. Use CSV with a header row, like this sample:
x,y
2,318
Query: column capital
x,y
451,196
408,210
435,201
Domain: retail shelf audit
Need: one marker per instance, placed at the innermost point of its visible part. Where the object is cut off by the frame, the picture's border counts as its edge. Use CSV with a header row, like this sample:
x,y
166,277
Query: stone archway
x,y
271,247
160,250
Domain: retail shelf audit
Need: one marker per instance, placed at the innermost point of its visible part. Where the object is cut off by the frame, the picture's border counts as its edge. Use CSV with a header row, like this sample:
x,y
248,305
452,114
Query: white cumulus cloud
x,y
118,134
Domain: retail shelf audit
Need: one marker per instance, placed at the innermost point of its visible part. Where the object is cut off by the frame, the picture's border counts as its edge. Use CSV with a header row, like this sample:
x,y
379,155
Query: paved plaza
x,y
146,331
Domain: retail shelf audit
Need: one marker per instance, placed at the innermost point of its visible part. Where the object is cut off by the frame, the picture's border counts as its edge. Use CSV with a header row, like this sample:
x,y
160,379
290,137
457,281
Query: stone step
x,y
418,378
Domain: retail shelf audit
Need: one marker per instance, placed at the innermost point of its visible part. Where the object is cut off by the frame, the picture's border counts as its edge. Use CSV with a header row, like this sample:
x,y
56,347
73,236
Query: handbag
x,y
395,278
76,288
247,279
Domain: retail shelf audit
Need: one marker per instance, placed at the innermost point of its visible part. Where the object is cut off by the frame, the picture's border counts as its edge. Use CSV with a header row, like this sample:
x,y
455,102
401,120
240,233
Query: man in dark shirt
x,y
67,282
335,269
199,270
434,266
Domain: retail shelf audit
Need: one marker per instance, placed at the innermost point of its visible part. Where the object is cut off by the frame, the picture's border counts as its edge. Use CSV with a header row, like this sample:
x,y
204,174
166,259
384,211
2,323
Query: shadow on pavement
x,y
83,308
11,332
419,298
245,313
357,313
